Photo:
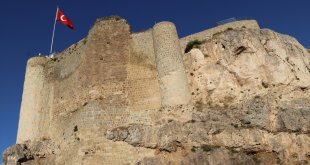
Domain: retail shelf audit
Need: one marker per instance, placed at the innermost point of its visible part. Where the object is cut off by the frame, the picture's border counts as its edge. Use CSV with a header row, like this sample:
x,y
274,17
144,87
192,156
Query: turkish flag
x,y
63,19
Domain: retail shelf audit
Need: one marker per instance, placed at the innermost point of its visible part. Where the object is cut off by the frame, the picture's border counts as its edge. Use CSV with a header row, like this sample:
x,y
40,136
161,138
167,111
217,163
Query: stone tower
x,y
34,116
171,72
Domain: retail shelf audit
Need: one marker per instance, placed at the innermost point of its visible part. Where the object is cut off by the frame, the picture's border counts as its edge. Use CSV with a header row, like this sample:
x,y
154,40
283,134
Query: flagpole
x,y
53,32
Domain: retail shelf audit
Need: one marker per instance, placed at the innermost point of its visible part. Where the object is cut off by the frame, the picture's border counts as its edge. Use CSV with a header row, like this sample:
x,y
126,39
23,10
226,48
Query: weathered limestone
x,y
236,65
40,152
207,34
240,96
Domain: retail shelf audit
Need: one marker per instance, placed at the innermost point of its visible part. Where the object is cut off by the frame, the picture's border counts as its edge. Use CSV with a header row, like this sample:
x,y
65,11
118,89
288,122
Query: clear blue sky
x,y
26,30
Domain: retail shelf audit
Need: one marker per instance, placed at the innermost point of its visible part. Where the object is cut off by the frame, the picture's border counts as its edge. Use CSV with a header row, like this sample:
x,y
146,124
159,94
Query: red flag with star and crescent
x,y
63,19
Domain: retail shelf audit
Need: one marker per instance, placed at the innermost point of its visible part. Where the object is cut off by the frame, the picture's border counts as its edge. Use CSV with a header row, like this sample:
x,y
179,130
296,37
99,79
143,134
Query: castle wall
x,y
250,24
172,78
34,113
104,89
143,86
99,78
144,46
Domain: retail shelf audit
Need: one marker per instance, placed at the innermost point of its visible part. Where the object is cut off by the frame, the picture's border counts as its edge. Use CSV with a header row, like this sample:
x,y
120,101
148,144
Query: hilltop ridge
x,y
238,95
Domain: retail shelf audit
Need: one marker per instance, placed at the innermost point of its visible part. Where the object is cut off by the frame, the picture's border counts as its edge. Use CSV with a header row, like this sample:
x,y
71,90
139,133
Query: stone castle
x,y
118,97
140,71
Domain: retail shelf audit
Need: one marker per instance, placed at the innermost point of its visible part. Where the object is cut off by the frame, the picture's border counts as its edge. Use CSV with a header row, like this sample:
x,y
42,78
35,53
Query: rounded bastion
x,y
172,78
33,114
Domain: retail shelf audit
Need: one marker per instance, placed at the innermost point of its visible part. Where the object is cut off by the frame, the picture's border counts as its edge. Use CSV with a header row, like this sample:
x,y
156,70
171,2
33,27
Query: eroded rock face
x,y
219,127
236,65
41,152
16,154
219,155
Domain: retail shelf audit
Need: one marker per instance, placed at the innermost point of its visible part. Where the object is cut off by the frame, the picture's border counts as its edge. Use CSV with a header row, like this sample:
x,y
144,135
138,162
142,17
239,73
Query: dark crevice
x,y
193,44
264,84
239,50
25,159
75,128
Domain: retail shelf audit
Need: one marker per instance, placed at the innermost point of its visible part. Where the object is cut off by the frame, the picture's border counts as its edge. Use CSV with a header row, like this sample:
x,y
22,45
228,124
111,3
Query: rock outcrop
x,y
39,152
249,88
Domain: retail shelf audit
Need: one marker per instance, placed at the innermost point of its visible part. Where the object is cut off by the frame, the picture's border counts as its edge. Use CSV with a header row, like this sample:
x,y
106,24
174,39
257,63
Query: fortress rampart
x,y
110,78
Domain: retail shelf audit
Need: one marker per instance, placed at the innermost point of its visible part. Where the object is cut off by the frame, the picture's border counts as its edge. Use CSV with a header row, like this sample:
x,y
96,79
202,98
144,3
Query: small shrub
x,y
193,44
207,148
84,41
194,149
199,105
206,55
44,138
232,149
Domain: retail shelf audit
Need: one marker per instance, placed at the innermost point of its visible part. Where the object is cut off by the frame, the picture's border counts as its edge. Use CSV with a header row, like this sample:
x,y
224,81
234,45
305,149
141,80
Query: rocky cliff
x,y
236,94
